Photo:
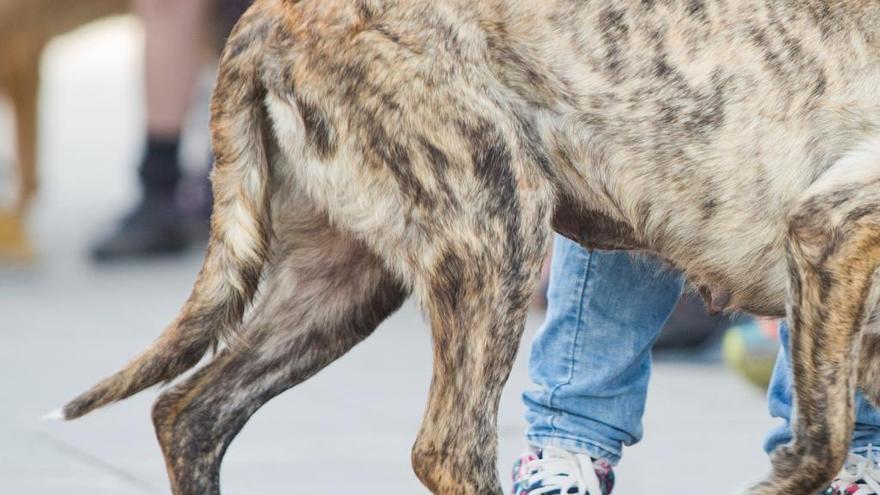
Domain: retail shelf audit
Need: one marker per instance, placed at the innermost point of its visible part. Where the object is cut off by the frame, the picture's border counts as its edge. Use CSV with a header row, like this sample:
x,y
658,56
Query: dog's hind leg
x,y
324,294
477,298
477,316
834,252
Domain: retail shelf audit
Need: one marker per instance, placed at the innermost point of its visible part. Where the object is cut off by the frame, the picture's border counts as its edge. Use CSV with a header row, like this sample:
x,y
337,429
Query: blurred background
x,y
108,109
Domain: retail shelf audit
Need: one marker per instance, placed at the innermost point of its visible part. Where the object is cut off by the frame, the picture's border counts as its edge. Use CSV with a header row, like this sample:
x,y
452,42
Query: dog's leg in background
x,y
324,294
834,251
21,79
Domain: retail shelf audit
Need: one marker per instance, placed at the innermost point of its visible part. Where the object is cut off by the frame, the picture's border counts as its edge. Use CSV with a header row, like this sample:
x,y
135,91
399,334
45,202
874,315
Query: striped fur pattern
x,y
372,149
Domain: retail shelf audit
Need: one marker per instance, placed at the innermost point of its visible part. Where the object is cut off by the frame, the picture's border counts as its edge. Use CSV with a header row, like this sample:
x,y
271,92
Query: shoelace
x,y
560,470
861,467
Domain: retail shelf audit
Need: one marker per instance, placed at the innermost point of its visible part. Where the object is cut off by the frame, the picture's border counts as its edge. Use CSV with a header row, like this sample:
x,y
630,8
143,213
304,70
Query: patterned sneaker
x,y
553,471
860,475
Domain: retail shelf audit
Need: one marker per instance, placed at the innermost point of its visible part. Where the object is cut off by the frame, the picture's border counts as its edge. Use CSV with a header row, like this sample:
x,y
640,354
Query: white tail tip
x,y
56,415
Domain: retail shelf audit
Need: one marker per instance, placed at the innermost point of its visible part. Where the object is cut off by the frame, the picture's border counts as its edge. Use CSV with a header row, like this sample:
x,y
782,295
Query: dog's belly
x,y
716,209
742,269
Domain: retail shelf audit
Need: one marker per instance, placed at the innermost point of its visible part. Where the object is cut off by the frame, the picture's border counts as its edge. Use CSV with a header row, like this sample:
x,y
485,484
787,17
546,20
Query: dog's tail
x,y
240,230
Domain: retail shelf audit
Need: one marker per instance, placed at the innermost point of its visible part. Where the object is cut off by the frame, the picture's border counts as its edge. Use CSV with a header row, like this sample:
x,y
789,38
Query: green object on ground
x,y
751,350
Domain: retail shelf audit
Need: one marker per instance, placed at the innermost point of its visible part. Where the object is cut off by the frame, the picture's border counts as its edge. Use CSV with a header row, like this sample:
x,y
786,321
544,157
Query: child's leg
x,y
867,428
592,358
175,52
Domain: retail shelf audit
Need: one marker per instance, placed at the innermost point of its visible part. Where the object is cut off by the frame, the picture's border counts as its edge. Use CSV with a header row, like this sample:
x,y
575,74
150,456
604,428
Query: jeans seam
x,y
578,324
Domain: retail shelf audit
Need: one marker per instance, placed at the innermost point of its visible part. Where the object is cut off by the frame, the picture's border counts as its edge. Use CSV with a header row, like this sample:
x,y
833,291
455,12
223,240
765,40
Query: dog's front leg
x,y
834,251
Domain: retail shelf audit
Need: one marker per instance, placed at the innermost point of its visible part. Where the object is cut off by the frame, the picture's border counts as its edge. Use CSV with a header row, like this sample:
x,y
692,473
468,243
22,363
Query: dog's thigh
x,y
324,293
457,200
833,252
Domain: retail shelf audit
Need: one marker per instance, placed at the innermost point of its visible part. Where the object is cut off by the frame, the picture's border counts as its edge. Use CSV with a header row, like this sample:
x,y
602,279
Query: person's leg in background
x,y
861,475
176,49
591,361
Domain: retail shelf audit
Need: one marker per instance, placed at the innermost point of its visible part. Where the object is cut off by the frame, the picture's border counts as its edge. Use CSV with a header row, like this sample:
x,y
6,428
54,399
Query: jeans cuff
x,y
862,443
579,446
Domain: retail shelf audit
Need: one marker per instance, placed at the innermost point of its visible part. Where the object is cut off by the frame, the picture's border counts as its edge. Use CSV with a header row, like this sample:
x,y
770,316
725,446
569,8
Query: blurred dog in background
x,y
26,26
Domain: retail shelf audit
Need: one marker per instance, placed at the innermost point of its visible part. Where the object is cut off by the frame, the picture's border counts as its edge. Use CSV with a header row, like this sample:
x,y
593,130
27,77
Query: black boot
x,y
156,225
194,200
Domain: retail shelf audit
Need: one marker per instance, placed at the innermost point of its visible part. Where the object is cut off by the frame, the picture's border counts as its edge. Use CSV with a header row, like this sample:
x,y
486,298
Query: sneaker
x,y
554,471
860,475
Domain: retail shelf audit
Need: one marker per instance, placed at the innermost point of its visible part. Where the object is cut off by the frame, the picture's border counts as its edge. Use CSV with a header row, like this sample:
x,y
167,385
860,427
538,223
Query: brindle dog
x,y
367,149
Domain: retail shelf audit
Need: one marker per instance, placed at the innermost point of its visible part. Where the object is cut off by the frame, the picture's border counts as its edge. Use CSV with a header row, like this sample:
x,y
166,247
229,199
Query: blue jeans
x,y
591,360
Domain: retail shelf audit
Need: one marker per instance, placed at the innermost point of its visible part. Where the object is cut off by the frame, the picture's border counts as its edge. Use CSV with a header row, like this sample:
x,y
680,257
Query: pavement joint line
x,y
96,462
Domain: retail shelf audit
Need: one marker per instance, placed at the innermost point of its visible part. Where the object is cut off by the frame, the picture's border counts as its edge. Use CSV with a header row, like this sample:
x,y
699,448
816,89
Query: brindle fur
x,y
367,149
